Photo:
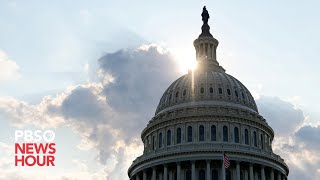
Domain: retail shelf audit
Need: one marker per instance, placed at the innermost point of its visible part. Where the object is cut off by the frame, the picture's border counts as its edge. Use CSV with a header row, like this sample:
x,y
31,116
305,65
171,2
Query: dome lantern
x,y
206,46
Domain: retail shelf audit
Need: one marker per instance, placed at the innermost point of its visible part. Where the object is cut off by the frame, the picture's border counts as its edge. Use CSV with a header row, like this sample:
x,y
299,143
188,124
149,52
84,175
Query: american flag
x,y
226,161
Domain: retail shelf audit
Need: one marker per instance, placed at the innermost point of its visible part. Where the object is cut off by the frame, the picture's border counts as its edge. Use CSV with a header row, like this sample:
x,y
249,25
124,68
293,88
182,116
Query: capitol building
x,y
204,118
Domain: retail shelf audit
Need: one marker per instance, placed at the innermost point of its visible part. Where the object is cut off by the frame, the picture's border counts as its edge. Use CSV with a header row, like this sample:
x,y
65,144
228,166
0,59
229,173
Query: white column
x,y
193,170
233,173
256,175
165,172
223,171
238,170
137,177
171,175
251,171
178,171
154,173
208,170
144,175
203,50
209,51
271,174
263,176
246,176
279,175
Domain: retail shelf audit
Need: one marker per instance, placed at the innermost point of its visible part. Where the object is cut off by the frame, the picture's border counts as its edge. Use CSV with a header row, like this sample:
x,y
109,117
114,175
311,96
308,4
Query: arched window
x,y
178,135
184,92
236,93
189,134
201,133
201,90
188,175
160,140
236,135
177,94
168,137
229,92
202,175
261,140
220,90
214,175
255,139
213,133
246,136
211,90
225,134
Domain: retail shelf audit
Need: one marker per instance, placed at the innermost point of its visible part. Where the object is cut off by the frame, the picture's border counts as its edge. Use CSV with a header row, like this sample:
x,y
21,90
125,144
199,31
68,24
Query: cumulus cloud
x,y
9,70
110,114
296,143
309,136
281,115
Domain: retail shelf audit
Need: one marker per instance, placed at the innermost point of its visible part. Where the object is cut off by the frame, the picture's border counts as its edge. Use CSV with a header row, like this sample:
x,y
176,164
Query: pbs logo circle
x,y
48,136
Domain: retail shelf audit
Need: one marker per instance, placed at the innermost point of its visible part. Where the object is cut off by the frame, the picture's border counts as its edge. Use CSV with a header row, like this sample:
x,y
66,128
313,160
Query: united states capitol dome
x,y
202,119
213,87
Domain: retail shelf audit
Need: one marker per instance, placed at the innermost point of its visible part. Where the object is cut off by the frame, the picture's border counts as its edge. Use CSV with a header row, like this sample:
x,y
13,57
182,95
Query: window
x,y
229,92
178,135
246,136
225,134
213,133
177,94
243,96
201,90
188,175
201,133
202,175
261,139
184,92
236,135
168,137
160,140
211,90
255,139
170,97
214,174
189,134
236,93
220,90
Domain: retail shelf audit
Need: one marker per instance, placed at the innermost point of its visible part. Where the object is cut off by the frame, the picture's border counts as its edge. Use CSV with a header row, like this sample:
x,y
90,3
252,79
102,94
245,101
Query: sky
x,y
94,72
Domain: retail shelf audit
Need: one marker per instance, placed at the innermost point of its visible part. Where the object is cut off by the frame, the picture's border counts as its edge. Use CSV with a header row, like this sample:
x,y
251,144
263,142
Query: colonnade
x,y
209,170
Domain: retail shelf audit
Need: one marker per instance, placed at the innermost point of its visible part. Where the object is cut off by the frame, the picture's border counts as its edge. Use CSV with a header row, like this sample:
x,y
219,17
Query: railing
x,y
207,147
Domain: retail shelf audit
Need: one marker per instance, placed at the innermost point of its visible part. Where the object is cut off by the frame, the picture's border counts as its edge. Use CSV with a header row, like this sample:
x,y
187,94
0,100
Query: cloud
x,y
107,115
281,115
9,70
309,136
295,143
21,113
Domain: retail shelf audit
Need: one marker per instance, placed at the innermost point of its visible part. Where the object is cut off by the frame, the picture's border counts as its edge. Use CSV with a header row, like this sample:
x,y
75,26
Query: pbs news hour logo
x,y
34,148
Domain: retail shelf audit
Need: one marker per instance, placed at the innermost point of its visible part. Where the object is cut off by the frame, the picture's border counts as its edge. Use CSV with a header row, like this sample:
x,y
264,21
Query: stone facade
x,y
201,116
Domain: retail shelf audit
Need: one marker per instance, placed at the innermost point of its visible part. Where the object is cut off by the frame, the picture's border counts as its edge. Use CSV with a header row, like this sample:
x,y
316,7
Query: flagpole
x,y
223,168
